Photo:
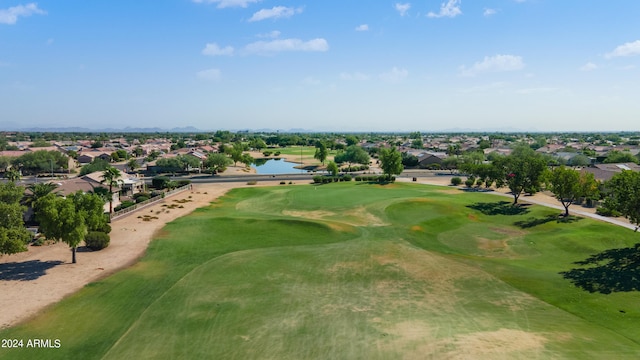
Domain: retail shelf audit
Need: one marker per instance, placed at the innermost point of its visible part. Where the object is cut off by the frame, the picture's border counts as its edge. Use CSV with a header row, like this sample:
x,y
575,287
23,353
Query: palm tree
x,y
111,177
37,191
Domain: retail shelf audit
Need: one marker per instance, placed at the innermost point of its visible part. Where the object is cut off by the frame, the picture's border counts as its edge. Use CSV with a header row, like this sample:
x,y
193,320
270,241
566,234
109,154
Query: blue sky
x,y
533,65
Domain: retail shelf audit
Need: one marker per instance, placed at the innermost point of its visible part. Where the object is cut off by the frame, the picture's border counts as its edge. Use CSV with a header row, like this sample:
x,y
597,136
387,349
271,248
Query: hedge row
x,y
318,179
375,178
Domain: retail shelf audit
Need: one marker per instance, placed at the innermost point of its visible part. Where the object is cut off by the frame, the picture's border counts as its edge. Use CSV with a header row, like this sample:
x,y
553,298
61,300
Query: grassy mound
x,y
356,271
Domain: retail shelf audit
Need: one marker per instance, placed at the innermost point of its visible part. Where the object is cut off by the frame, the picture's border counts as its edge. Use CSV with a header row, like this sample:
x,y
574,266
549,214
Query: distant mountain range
x,y
191,129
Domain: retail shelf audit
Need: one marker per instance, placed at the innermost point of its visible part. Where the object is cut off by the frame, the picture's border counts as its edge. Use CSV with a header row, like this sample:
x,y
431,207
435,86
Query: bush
x,y
160,182
252,182
455,181
97,240
283,183
141,194
317,179
266,153
469,182
607,212
125,204
347,177
140,199
277,153
181,183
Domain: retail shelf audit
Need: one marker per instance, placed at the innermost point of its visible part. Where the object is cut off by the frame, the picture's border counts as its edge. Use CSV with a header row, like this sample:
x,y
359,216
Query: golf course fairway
x,y
359,271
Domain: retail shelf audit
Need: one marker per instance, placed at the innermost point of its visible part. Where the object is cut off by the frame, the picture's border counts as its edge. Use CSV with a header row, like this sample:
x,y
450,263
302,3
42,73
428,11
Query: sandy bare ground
x,y
42,276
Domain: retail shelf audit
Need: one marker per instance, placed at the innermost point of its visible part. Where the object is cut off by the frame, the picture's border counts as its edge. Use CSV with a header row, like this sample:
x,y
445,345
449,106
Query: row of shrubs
x,y
375,178
268,153
319,179
355,168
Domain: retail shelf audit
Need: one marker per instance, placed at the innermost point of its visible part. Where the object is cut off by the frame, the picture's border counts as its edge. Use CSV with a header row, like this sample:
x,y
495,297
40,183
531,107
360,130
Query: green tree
x,y
332,168
616,156
235,152
409,160
564,183
353,154
60,221
351,140
579,160
37,191
91,207
13,235
321,152
96,164
624,195
111,177
246,159
132,164
119,155
5,161
450,163
41,161
217,162
391,162
12,175
257,143
522,171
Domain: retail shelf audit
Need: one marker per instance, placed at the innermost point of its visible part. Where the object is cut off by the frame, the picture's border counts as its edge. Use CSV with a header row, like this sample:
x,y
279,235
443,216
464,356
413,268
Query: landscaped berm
x,y
359,271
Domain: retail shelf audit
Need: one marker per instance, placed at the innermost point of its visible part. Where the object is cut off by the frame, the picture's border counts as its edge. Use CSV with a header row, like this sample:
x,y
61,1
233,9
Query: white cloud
x,y
209,75
402,8
588,67
268,47
449,9
354,76
277,12
227,3
213,49
394,75
489,12
628,49
10,16
363,27
497,63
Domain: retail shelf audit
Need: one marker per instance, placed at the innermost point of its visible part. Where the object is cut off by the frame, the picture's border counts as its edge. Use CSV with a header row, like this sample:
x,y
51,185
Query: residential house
x,y
604,172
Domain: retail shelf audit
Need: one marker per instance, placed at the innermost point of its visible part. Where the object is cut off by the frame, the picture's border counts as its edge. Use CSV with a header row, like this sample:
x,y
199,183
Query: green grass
x,y
351,271
307,152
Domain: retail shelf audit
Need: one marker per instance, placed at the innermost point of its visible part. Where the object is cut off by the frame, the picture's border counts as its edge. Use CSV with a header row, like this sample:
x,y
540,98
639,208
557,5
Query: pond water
x,y
274,167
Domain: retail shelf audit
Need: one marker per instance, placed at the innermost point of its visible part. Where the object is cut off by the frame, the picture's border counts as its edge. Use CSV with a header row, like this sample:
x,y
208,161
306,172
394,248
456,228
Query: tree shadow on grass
x,y
531,222
27,270
500,208
615,270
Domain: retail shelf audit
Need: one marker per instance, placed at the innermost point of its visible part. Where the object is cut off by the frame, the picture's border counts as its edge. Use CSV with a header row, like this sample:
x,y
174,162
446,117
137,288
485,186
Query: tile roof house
x,y
604,172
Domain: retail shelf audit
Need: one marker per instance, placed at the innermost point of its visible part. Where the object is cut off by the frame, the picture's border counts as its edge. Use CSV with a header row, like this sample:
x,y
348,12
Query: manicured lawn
x,y
358,271
307,152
